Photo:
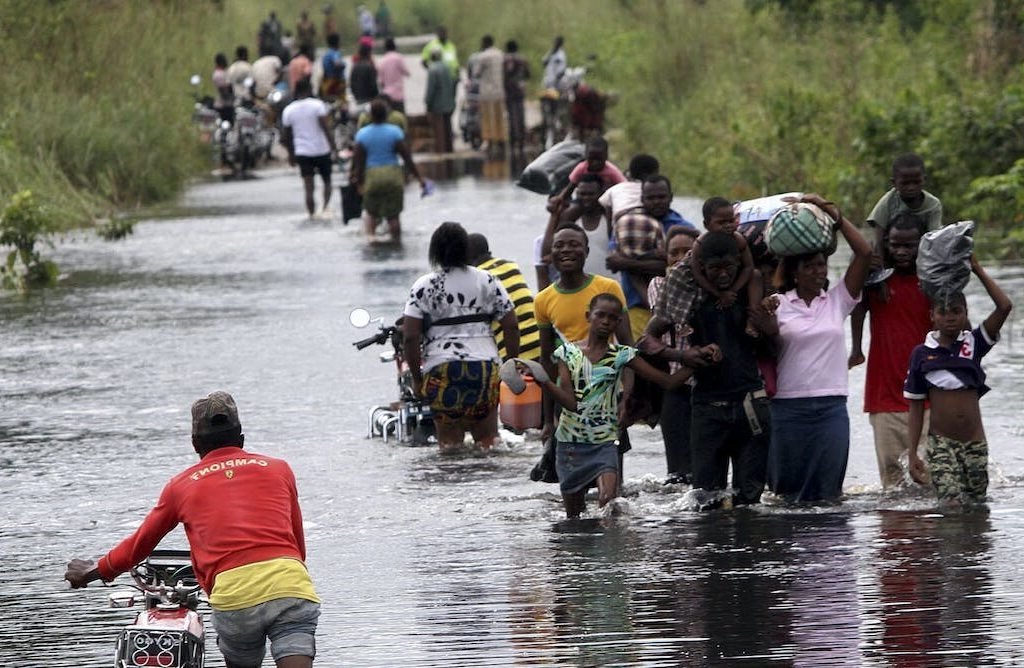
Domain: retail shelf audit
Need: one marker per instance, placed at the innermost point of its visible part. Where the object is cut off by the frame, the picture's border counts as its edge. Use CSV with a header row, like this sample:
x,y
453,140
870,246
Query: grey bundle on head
x,y
944,261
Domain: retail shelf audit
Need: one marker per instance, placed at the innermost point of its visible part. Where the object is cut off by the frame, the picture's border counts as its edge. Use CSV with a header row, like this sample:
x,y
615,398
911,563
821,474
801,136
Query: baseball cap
x,y
214,414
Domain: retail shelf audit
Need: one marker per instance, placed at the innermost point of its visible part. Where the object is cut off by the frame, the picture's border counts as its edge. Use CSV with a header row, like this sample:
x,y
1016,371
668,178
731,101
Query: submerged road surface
x,y
423,560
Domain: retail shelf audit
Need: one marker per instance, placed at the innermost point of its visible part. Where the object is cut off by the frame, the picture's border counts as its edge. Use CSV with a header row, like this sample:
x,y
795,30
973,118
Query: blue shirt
x,y
379,141
673,217
333,64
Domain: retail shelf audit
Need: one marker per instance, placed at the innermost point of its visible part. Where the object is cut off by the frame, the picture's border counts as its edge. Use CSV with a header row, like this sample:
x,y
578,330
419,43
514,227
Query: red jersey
x,y
897,327
238,508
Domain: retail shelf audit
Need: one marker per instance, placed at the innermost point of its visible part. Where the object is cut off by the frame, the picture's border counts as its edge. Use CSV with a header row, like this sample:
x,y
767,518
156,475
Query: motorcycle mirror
x,y
359,317
194,79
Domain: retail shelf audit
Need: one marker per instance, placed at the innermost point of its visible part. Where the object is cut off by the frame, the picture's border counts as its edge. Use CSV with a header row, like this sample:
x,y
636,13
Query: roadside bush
x,y
24,226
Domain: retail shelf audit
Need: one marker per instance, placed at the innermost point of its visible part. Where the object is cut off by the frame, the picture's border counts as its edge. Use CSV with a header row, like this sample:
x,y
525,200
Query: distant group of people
x,y
739,354
495,90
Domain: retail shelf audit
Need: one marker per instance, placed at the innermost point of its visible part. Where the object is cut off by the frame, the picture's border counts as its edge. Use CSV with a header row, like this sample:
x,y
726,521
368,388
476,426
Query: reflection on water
x,y
424,560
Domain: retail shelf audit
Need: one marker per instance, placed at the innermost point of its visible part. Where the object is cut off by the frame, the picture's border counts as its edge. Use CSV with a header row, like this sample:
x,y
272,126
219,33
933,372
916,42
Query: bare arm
x,y
698,271
860,265
325,125
653,264
549,231
561,392
412,333
915,423
857,335
543,276
358,171
623,334
403,150
746,264
288,141
994,322
547,347
510,328
645,370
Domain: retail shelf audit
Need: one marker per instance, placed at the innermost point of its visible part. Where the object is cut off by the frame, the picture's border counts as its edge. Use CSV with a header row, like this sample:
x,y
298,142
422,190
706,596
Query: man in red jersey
x,y
243,523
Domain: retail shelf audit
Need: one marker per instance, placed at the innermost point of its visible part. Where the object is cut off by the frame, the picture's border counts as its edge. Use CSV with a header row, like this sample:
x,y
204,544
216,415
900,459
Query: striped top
x,y
511,277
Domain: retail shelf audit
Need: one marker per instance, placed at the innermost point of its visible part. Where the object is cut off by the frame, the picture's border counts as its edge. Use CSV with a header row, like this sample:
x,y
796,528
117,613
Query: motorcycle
x,y
574,109
239,135
169,631
410,420
469,115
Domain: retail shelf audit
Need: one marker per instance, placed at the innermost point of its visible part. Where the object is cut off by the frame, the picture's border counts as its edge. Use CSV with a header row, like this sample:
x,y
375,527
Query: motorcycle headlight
x,y
225,125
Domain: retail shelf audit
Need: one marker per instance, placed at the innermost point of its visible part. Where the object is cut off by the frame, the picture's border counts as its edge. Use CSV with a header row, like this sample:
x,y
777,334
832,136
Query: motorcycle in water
x,y
169,631
410,420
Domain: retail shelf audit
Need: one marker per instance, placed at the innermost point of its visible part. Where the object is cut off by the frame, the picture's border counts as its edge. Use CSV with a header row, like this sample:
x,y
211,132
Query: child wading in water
x,y
588,390
946,370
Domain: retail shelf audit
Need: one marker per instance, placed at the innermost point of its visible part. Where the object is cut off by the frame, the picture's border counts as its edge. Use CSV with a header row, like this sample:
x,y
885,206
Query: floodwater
x,y
424,560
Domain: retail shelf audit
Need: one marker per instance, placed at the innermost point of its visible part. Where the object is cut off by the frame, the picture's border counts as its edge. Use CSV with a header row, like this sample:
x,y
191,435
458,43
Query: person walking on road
x,y
377,173
306,133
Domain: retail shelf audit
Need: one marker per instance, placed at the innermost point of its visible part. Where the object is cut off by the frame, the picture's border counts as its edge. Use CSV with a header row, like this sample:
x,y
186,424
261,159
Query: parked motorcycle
x,y
410,420
169,631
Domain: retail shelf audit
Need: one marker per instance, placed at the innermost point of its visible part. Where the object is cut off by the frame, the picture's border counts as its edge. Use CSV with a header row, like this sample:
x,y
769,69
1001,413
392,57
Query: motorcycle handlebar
x,y
379,338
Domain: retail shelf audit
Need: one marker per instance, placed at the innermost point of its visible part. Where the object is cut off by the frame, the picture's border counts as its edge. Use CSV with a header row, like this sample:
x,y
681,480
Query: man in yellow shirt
x,y
561,308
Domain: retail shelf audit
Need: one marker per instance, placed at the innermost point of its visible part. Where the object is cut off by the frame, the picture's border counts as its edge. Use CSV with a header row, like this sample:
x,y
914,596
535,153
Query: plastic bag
x,y
944,260
763,208
549,172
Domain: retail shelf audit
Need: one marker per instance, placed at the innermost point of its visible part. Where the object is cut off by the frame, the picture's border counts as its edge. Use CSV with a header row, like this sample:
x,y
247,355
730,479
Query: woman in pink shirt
x,y
810,441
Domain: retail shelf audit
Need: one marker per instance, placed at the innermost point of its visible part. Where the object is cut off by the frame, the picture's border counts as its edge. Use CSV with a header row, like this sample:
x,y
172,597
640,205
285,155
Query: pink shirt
x,y
812,356
299,67
609,174
391,73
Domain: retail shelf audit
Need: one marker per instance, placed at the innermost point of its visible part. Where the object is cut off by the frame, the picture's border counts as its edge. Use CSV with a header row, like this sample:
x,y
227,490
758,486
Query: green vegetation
x,y
736,97
23,226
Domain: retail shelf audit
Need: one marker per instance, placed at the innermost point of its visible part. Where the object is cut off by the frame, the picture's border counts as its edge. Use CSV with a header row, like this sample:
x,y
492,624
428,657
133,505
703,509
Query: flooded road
x,y
423,560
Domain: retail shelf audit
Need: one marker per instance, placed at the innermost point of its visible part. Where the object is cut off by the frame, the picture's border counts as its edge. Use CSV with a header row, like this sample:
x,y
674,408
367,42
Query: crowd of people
x,y
740,355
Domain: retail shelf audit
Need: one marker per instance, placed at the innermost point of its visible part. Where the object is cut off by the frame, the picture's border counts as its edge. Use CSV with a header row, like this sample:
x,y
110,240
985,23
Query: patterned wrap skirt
x,y
462,392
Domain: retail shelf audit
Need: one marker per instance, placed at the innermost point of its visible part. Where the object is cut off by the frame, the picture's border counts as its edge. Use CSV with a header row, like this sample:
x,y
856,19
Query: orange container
x,y
519,412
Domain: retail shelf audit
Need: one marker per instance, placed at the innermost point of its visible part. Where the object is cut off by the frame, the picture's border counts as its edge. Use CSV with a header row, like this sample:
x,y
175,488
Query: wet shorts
x,y
289,623
462,393
312,164
959,469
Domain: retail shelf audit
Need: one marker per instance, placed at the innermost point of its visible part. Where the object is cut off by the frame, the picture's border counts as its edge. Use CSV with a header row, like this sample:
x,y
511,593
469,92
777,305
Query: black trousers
x,y
675,430
720,435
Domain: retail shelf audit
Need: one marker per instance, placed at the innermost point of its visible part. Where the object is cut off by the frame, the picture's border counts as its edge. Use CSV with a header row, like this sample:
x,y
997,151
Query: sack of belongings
x,y
944,260
549,172
800,228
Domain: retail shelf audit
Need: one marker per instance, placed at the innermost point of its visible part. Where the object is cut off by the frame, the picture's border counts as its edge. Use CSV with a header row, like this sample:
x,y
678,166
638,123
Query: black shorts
x,y
311,164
